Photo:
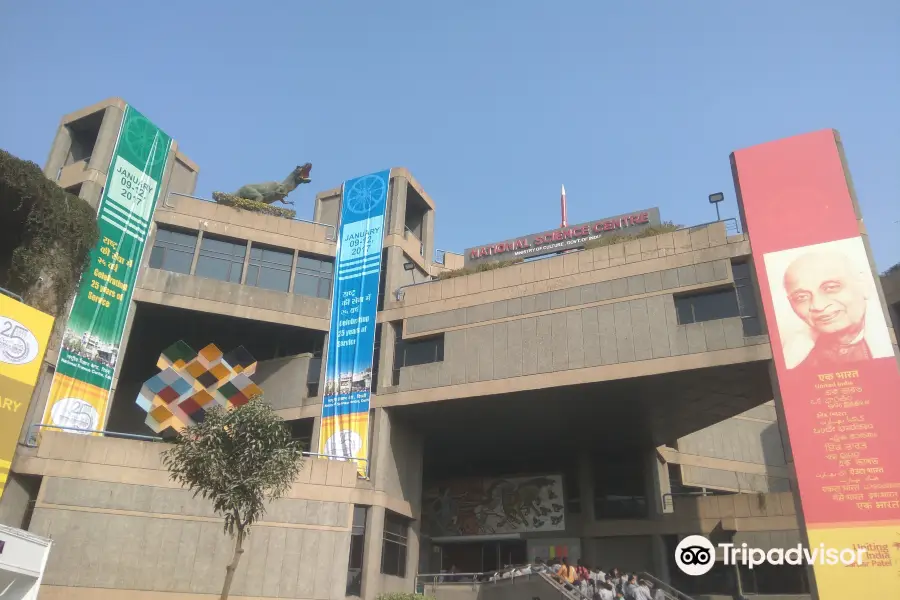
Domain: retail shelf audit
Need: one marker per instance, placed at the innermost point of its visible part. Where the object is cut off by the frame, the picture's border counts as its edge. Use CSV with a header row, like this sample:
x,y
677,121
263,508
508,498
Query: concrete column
x,y
19,492
246,263
56,159
324,364
660,558
39,399
386,355
394,275
123,346
91,191
397,223
657,478
327,210
148,249
196,251
657,484
428,236
163,199
379,447
371,569
782,425
293,273
106,139
412,553
314,438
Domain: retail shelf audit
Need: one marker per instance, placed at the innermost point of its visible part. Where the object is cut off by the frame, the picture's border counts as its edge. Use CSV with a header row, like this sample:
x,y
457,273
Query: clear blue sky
x,y
491,105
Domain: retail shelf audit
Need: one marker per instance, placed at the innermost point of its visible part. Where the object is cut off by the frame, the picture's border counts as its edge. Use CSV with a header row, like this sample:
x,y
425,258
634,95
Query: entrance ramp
x,y
506,585
482,587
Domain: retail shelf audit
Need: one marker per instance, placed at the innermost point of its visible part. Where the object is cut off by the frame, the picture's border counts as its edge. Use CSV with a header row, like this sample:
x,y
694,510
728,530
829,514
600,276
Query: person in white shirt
x,y
605,591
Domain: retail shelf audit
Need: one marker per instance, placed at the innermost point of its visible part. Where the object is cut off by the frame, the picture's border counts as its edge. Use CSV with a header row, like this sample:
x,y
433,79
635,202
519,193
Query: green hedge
x,y
605,240
615,238
478,269
46,236
403,596
253,205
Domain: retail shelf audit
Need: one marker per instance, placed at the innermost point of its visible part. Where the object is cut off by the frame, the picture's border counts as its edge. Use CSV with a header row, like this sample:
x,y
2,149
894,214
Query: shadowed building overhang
x,y
610,416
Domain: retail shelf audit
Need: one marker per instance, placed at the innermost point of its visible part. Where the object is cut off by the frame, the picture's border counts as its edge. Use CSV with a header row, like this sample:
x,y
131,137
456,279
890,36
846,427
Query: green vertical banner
x,y
79,394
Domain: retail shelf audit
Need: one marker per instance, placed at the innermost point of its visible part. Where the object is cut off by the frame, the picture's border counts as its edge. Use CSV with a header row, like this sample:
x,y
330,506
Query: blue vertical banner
x,y
344,430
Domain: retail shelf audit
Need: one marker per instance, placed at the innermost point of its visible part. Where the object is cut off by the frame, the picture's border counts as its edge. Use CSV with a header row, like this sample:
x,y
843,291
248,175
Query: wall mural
x,y
190,383
485,506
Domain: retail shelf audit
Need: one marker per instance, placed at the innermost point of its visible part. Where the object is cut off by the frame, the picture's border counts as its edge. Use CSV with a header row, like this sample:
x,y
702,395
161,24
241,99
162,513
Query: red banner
x,y
836,365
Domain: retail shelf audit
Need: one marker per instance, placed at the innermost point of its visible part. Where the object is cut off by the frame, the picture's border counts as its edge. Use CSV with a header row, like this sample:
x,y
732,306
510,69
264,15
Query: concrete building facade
x,y
636,373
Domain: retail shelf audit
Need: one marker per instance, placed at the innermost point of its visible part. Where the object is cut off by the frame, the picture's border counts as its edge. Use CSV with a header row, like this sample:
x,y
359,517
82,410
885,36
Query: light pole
x,y
715,199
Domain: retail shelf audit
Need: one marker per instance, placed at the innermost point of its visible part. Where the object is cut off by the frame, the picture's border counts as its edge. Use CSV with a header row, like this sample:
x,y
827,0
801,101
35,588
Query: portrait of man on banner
x,y
827,309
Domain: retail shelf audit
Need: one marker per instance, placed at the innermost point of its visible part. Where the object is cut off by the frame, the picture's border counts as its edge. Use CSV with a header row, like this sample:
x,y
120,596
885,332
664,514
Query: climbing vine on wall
x,y
46,236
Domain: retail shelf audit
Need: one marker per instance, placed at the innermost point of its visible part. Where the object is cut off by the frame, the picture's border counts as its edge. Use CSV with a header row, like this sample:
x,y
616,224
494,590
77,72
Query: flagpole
x,y
562,202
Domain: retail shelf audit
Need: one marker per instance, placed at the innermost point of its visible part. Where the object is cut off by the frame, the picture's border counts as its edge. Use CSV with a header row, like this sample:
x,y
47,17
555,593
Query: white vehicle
x,y
23,557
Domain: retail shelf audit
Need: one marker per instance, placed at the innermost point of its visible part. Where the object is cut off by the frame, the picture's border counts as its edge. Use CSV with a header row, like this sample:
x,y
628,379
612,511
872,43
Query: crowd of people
x,y
591,584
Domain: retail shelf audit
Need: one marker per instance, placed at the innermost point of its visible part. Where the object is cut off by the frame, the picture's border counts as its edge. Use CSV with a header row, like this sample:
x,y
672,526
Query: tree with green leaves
x,y
46,235
240,460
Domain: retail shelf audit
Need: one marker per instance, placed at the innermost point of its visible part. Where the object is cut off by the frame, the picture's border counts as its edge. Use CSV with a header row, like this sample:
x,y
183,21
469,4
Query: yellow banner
x,y
346,435
75,403
24,332
875,577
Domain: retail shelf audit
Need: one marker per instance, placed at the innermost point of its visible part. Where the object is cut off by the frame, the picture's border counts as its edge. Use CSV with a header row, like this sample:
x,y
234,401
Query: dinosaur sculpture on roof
x,y
273,191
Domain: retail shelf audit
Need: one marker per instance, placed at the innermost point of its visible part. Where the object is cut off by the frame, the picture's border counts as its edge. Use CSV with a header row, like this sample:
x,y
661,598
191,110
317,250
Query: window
x,y
746,299
409,353
173,250
313,277
269,268
357,541
708,306
393,548
312,376
619,488
221,259
301,431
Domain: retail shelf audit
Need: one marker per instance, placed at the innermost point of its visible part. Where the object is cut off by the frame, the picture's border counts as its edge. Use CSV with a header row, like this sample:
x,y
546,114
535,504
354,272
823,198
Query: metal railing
x,y
401,291
573,592
475,578
670,592
569,591
407,232
731,225
33,438
6,292
566,590
440,256
87,162
341,458
668,499
331,237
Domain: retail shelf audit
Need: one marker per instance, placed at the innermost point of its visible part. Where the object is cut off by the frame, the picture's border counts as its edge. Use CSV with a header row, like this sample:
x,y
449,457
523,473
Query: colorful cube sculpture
x,y
190,383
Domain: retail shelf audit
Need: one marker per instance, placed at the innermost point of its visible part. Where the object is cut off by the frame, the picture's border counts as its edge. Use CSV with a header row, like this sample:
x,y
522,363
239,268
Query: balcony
x,y
194,213
231,299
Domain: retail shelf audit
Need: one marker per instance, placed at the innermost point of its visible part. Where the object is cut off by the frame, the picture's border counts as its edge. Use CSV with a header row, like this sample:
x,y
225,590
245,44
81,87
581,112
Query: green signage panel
x,y
79,394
